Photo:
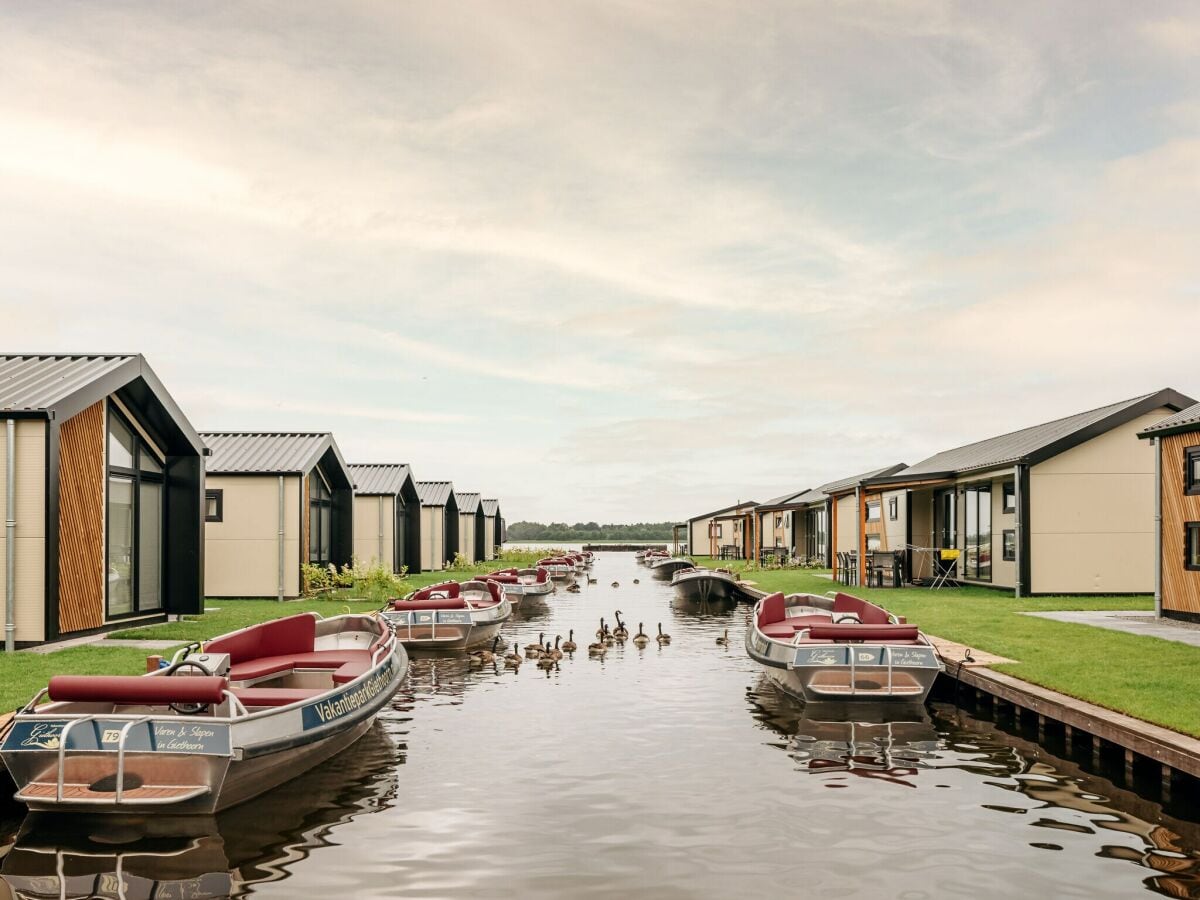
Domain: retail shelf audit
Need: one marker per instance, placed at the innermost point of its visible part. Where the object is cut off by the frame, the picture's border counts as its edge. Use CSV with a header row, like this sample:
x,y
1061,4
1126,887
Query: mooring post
x,y
1128,767
1168,776
1096,742
1068,738
1041,729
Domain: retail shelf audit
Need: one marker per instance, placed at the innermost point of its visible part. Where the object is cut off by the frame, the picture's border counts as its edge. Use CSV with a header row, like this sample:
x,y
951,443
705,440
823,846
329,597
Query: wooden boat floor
x,y
838,681
167,793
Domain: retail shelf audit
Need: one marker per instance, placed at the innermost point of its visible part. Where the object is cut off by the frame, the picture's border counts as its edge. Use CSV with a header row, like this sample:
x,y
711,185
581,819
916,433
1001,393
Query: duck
x,y
663,639
483,657
637,581
569,645
620,632
601,630
597,649
640,639
554,652
573,589
723,640
513,660
538,645
616,584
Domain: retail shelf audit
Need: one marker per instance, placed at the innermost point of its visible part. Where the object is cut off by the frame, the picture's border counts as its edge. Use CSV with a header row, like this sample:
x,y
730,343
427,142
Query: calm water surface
x,y
671,772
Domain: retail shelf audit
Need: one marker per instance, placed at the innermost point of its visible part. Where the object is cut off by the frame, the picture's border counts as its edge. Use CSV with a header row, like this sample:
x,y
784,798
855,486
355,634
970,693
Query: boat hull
x,y
703,587
665,569
448,629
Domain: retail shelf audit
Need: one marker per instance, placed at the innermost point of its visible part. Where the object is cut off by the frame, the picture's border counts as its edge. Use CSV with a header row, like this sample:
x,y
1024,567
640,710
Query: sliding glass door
x,y
977,551
134,533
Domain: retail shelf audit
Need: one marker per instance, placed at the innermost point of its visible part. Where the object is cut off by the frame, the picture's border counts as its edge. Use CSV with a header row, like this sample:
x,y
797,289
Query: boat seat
x,y
778,630
256,696
277,638
431,603
771,609
348,671
318,659
138,689
864,632
868,613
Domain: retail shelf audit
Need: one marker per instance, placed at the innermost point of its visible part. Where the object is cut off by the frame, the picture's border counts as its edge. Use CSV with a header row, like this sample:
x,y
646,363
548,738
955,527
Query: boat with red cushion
x,y
520,583
652,556
840,648
450,615
701,584
561,568
663,568
223,723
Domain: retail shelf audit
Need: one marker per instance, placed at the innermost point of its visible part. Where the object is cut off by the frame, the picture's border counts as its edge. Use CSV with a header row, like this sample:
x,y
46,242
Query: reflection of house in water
x,y
200,856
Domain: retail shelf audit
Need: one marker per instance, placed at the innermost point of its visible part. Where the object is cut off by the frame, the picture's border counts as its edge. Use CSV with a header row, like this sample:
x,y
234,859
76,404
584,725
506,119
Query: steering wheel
x,y
846,618
187,709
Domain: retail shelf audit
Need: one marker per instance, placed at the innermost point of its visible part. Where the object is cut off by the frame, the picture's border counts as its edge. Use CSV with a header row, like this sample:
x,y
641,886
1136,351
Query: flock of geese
x,y
546,654
574,588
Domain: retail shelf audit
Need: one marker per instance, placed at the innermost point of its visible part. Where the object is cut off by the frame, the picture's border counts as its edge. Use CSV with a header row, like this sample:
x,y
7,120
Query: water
x,y
664,772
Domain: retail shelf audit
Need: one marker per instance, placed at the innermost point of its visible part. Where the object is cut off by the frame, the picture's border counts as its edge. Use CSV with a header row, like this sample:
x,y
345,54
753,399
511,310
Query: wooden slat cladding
x,y
81,521
1180,587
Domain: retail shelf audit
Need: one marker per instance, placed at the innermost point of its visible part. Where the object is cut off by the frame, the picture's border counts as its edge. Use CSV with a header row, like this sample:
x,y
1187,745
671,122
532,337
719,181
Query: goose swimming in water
x,y
538,645
554,652
597,649
723,640
569,645
483,657
601,630
640,639
663,639
620,632
513,660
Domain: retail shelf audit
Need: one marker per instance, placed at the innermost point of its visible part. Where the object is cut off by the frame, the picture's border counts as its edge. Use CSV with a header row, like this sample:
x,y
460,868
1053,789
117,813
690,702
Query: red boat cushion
x,y
280,637
863,632
771,609
256,696
152,689
431,603
501,579
318,659
351,670
784,630
868,613
542,575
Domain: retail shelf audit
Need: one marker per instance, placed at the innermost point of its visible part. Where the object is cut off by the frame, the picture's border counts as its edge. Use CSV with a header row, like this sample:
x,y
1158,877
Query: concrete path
x,y
102,641
1129,621
954,654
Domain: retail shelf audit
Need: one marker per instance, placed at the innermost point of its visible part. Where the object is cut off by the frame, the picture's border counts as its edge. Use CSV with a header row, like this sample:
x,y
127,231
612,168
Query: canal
x,y
665,772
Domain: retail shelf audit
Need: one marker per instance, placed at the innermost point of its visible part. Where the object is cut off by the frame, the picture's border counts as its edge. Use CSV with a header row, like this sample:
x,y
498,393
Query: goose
x,y
483,657
569,645
637,581
513,660
723,640
601,630
573,589
538,645
640,638
592,580
547,659
620,632
597,649
663,639
534,652
608,639
616,584
555,653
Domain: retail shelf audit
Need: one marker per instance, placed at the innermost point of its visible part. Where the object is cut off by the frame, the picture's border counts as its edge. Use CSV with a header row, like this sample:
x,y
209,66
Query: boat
x,y
561,569
223,723
699,583
649,557
840,648
520,583
664,568
450,615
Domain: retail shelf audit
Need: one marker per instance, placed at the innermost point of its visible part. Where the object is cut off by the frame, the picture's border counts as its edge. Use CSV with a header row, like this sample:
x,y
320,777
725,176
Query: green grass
x,y
1144,677
22,674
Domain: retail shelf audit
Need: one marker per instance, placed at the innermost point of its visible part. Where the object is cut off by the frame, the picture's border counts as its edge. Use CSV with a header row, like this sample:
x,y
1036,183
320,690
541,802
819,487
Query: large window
x,y
977,549
1191,546
320,520
1010,545
135,522
1191,472
946,520
814,534
874,511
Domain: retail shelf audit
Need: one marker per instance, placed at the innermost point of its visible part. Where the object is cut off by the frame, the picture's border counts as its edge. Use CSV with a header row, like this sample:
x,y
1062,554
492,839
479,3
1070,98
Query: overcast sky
x,y
615,260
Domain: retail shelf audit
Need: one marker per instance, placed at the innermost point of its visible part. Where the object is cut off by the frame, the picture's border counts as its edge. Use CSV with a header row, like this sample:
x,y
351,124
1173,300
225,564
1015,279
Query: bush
x,y
315,579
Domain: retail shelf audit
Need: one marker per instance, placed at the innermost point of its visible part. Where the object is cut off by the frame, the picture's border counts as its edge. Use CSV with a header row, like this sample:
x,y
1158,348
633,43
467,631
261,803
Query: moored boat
x,y
520,583
450,615
840,648
649,557
663,569
561,569
222,724
699,583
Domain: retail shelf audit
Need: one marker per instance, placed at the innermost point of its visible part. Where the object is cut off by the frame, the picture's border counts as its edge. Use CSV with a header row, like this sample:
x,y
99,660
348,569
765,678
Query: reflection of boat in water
x,y
699,583
251,710
710,607
664,569
450,615
199,856
826,648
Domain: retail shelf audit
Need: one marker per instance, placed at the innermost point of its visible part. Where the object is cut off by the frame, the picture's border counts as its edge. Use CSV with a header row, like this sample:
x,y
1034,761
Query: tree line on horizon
x,y
589,531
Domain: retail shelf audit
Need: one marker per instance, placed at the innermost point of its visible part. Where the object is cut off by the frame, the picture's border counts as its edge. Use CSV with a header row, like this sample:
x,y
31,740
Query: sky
x,y
615,261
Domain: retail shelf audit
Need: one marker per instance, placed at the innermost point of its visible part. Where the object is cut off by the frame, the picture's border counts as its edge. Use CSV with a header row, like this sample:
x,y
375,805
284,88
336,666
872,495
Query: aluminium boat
x,y
560,568
520,583
701,584
840,648
222,724
663,569
649,557
450,615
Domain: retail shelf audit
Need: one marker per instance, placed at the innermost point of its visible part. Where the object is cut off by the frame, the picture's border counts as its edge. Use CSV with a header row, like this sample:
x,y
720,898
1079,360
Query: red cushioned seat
x,y
256,696
318,659
868,613
140,689
349,671
431,603
771,609
260,668
279,637
501,578
864,632
779,630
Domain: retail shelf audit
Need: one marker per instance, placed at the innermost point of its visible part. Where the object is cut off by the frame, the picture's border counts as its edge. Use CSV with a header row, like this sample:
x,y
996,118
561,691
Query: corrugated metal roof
x,y
1184,420
32,382
380,478
490,507
833,487
467,503
434,493
268,453
781,500
1017,445
724,510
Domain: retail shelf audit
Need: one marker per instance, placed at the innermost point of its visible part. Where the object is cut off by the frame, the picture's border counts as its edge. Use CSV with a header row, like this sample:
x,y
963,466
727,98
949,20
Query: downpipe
x,y
281,536
1158,599
10,536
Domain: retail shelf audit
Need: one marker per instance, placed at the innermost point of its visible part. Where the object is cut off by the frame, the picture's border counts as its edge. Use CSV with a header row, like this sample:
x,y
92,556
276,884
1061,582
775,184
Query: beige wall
x,y
846,538
241,553
30,552
432,538
894,532
1092,515
367,528
776,536
466,536
698,540
489,537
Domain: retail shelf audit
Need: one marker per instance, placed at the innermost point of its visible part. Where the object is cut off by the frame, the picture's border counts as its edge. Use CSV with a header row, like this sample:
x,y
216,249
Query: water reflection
x,y
201,857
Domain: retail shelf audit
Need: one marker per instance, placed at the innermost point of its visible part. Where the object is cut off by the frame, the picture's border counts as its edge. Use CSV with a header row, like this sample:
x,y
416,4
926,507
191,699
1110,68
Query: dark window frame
x,y
1008,495
320,501
977,500
217,494
1008,545
946,519
1191,486
877,504
893,508
1188,528
138,475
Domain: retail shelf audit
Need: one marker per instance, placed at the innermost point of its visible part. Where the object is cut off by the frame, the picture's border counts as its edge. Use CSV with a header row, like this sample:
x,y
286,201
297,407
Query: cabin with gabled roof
x,y
439,524
493,528
387,516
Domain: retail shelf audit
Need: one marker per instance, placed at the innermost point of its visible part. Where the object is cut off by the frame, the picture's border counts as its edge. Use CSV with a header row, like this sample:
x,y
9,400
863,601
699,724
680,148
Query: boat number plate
x,y
193,737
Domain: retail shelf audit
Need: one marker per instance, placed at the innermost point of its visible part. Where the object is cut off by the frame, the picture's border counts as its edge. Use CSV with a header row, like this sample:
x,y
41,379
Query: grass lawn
x,y
1145,677
22,674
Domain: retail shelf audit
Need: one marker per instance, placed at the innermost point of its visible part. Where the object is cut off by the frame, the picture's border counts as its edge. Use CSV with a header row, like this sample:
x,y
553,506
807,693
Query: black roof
x,y
842,484
1183,421
1040,442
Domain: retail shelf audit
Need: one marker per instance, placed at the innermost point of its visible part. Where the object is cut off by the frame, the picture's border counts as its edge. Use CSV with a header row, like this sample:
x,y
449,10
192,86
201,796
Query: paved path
x,y
954,654
100,640
1130,622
